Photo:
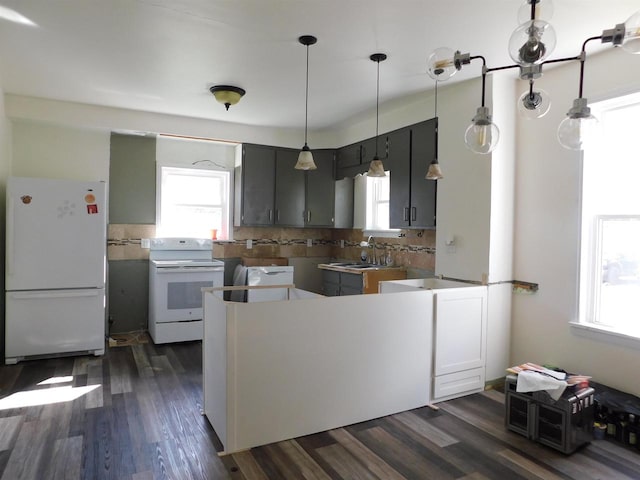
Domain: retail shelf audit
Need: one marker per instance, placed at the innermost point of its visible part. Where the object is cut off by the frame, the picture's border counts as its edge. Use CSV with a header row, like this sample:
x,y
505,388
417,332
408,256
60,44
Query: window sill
x,y
605,334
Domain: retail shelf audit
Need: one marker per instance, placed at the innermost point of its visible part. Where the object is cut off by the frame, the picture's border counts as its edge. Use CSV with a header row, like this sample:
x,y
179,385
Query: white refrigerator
x,y
55,268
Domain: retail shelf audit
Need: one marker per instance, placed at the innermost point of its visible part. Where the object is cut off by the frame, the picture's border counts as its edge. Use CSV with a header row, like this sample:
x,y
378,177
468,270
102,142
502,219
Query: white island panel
x,y
302,366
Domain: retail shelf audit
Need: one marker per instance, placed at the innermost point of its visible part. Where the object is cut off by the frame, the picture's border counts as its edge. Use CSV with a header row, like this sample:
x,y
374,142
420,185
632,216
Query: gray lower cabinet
x,y
335,284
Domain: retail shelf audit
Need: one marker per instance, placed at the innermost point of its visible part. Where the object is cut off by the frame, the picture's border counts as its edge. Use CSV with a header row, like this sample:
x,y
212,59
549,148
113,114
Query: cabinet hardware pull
x,y
270,215
413,214
406,214
308,216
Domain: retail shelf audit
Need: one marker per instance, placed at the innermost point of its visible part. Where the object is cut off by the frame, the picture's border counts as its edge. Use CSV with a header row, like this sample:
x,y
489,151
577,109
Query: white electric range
x,y
178,270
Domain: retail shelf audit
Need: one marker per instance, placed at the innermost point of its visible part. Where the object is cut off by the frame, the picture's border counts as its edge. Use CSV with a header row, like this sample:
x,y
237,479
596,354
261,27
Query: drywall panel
x,y
132,186
53,151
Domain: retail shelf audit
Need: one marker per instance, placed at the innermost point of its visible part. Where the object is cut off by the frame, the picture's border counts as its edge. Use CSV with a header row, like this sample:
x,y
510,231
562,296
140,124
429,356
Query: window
x,y
610,252
193,203
371,204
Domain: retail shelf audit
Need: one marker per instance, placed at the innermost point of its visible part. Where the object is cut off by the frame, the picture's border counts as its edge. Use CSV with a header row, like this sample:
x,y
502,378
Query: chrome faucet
x,y
372,243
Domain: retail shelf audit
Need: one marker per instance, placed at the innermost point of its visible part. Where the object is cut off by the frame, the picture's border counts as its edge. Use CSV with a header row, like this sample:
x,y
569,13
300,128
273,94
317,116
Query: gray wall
x,y
132,200
132,180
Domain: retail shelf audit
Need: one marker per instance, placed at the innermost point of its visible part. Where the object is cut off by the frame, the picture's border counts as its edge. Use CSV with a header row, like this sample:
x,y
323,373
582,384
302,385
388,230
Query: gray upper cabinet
x,y
290,190
399,164
354,159
412,198
270,191
256,178
320,190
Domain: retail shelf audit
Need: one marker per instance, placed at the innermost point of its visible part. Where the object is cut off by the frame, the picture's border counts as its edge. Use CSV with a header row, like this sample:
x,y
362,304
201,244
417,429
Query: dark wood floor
x,y
142,420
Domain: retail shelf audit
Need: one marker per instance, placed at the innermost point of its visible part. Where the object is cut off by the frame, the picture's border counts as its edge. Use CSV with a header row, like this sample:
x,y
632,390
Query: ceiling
x,y
163,55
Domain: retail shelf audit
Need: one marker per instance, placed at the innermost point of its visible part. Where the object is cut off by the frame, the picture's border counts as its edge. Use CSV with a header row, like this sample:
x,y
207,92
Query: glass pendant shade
x,y
441,65
534,104
544,11
532,42
434,172
631,41
579,128
376,169
482,135
305,160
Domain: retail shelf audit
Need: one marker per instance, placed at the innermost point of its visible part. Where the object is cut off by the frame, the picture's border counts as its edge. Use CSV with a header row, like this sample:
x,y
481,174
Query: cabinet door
x,y
423,192
258,185
320,192
368,149
289,204
460,317
347,161
398,163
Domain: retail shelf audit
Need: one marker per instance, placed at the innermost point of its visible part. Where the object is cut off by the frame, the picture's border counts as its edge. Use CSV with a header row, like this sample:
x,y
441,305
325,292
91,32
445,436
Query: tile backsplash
x,y
414,248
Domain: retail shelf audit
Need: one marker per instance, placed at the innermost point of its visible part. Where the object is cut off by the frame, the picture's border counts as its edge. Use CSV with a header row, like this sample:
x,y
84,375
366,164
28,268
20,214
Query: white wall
x,y
51,151
547,230
173,151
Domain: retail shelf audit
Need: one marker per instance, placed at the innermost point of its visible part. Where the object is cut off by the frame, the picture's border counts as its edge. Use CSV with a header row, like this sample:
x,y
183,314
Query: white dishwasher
x,y
271,275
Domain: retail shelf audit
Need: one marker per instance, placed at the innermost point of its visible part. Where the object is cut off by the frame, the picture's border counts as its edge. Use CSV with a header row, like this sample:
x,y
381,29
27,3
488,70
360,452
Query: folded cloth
x,y
532,381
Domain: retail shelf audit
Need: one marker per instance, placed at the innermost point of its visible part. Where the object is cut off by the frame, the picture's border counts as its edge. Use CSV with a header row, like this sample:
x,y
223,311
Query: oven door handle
x,y
164,270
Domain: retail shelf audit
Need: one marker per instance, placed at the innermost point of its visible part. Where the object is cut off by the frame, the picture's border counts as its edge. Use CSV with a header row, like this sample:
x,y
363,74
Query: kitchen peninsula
x,y
283,369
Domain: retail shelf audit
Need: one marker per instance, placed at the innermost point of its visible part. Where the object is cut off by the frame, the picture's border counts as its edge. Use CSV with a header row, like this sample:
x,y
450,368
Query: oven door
x,y
175,294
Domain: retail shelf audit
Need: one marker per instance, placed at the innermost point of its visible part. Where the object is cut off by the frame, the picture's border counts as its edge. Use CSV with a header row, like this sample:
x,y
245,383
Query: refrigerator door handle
x,y
56,294
10,239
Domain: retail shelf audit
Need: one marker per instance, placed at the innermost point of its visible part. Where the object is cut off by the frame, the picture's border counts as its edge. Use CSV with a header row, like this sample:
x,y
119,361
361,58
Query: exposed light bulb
x,y
482,135
631,42
532,42
579,127
534,104
443,63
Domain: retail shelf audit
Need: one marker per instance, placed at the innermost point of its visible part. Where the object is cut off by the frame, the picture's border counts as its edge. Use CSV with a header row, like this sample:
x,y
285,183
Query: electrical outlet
x,y
145,243
341,243
249,244
309,242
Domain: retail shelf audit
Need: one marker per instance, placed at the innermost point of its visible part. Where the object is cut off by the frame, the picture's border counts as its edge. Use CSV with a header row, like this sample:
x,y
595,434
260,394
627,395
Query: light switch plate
x,y
249,244
309,242
341,243
145,243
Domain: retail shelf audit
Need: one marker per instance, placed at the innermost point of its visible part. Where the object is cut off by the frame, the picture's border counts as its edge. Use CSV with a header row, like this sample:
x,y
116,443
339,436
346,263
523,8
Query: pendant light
x,y
376,169
530,46
305,159
434,172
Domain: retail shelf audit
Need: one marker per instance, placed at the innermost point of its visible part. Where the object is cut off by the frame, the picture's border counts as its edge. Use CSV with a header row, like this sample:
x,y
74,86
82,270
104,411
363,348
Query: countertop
x,y
357,268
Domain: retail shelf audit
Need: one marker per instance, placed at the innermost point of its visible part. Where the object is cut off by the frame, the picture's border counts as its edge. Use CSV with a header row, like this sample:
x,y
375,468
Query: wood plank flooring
x,y
135,414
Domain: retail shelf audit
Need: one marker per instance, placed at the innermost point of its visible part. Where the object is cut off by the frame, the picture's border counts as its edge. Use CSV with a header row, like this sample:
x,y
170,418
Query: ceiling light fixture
x,y
305,159
434,172
227,94
376,169
530,46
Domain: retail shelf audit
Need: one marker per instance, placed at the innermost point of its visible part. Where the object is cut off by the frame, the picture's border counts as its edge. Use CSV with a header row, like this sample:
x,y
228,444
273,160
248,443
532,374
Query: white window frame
x,y
225,233
369,188
588,322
